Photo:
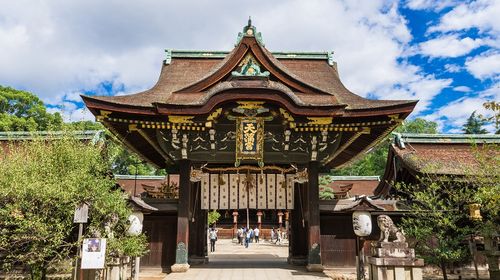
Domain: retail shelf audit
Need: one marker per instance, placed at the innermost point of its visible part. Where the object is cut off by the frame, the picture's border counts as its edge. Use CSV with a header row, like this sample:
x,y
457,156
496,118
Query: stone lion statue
x,y
389,231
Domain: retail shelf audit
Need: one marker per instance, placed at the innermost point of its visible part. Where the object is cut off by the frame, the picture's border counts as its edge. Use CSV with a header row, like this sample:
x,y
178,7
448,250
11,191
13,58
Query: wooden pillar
x,y
314,237
182,247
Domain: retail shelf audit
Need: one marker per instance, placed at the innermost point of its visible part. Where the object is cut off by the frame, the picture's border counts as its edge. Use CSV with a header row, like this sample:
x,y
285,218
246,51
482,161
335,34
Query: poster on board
x,y
93,253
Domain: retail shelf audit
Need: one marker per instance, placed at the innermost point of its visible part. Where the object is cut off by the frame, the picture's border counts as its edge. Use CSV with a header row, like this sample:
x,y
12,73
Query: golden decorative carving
x,y
286,115
319,120
250,104
132,127
180,119
249,139
395,118
103,114
214,115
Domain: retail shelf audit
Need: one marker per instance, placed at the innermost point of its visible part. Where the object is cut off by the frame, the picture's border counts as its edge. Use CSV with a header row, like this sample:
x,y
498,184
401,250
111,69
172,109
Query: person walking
x,y
256,233
213,237
272,234
247,239
251,235
278,237
240,235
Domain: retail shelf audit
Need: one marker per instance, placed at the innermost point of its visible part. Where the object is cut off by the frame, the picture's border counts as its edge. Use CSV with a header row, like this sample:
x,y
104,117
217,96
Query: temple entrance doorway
x,y
250,212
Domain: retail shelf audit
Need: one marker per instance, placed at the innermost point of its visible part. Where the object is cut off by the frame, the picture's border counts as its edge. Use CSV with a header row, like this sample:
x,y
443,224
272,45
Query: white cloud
x,y
423,88
449,46
462,89
485,65
430,4
480,14
53,48
453,68
72,113
454,114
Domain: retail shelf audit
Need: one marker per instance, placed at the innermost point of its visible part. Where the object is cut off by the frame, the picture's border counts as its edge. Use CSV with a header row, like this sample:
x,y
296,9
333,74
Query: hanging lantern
x,y
362,223
235,217
280,217
259,217
475,212
135,220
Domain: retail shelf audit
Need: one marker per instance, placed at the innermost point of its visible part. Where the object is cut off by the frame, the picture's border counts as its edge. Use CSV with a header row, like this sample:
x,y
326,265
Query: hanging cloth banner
x,y
250,139
237,191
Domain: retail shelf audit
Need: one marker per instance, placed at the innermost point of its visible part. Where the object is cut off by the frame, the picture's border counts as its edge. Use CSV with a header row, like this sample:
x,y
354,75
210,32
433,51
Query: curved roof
x,y
188,78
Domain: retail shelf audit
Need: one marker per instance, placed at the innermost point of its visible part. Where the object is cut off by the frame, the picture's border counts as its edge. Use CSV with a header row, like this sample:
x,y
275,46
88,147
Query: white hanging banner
x,y
237,191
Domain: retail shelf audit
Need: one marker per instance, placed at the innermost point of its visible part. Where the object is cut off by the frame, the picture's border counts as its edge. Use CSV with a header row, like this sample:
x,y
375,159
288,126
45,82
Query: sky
x,y
444,53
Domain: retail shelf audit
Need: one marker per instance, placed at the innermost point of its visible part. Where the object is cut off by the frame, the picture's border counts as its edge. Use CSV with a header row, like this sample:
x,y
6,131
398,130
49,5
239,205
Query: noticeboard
x,y
93,253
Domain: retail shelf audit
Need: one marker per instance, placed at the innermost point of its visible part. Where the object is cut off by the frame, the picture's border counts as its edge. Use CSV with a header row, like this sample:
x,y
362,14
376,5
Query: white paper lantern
x,y
135,220
362,223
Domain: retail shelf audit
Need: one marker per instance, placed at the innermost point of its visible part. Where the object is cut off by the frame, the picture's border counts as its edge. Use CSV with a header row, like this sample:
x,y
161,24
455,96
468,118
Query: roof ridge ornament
x,y
249,67
250,31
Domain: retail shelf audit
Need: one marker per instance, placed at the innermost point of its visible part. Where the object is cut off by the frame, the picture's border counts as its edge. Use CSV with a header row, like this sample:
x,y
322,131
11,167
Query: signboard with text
x,y
93,253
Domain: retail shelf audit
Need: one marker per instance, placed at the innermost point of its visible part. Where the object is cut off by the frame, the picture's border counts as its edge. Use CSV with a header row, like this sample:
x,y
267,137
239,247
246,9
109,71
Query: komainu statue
x,y
388,231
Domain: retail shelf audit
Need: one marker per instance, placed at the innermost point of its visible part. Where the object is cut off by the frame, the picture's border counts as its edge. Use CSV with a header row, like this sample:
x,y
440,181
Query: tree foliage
x,y
440,221
41,183
213,217
474,125
24,111
494,107
373,163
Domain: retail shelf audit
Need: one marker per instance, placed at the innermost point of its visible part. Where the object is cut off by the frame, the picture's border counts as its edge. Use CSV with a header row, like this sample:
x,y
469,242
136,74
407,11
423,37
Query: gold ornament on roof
x,y
319,120
180,119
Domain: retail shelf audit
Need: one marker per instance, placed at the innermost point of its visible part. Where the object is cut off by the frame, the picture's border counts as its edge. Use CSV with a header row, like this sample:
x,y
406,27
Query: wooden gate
x,y
338,251
162,233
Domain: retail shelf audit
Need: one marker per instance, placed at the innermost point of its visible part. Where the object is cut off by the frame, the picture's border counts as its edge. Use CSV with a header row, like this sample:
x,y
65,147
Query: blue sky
x,y
444,53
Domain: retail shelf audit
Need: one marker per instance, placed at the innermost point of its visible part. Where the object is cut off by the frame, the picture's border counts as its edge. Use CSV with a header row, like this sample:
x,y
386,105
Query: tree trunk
x,y
443,269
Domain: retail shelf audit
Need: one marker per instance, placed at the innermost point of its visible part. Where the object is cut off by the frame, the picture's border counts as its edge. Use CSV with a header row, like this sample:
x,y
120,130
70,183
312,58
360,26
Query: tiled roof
x,y
437,154
446,154
184,70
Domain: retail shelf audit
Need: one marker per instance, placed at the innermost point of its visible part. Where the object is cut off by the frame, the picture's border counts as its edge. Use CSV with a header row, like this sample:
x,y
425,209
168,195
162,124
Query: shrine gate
x,y
248,128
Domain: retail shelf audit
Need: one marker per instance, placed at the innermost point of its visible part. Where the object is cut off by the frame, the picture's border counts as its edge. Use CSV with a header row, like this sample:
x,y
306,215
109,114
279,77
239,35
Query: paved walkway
x,y
258,262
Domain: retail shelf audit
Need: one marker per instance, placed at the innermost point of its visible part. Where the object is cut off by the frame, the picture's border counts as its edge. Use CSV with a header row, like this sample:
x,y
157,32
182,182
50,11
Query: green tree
x,y
41,183
213,217
125,162
494,107
374,161
440,221
24,111
83,125
474,125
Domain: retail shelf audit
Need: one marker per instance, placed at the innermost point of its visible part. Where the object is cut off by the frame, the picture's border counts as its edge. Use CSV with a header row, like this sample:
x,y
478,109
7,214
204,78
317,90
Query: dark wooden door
x,y
338,251
161,231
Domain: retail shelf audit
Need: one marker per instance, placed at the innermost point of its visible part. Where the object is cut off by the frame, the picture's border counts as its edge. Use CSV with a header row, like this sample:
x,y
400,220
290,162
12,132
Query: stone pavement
x,y
259,262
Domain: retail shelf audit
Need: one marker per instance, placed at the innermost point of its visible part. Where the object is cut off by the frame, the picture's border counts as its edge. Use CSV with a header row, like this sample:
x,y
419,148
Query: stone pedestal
x,y
394,261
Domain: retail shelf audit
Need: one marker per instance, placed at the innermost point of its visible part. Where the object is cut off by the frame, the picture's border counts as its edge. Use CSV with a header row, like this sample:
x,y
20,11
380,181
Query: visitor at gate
x,y
239,234
256,233
247,239
272,234
251,234
278,237
213,237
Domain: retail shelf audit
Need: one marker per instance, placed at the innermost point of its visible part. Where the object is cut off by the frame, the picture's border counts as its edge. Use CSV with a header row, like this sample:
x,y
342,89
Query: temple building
x,y
245,132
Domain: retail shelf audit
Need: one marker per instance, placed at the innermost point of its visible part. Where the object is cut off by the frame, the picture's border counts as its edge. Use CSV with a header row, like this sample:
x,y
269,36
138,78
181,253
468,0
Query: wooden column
x,y
181,252
314,237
